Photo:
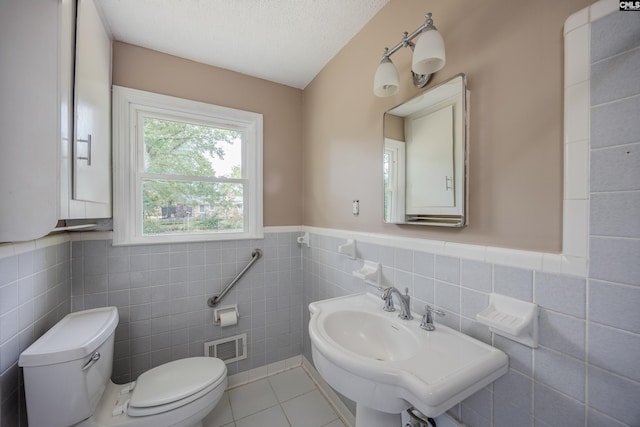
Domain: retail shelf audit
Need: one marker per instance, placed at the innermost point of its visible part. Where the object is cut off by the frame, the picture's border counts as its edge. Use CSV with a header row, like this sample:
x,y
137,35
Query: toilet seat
x,y
175,384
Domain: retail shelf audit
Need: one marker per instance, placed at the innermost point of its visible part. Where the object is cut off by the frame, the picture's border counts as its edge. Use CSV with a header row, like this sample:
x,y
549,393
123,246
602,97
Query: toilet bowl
x,y
176,394
67,380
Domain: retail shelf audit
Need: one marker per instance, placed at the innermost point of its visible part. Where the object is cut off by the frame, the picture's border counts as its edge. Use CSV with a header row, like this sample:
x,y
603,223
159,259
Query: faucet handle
x,y
388,300
427,318
429,309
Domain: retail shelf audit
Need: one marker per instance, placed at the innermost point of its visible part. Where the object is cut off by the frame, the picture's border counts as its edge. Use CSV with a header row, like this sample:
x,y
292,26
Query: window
x,y
184,170
393,168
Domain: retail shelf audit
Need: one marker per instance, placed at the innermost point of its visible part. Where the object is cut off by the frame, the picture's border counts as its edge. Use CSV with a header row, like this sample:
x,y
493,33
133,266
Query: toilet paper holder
x,y
223,310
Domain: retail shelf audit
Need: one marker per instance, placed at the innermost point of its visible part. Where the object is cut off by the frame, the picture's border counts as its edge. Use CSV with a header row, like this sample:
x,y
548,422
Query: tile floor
x,y
285,399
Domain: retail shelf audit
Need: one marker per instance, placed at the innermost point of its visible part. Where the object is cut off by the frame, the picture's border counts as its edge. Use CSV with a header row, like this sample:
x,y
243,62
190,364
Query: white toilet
x,y
67,378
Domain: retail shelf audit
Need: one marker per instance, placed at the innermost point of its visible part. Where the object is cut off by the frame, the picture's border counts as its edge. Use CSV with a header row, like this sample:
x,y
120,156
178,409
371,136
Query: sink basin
x,y
387,365
370,335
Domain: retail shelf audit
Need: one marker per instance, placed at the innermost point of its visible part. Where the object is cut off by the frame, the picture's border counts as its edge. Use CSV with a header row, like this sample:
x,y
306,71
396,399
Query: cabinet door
x,y
430,162
29,118
92,142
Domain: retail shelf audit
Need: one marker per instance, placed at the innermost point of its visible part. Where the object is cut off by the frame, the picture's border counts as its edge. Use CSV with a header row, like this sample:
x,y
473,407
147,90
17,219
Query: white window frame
x,y
128,105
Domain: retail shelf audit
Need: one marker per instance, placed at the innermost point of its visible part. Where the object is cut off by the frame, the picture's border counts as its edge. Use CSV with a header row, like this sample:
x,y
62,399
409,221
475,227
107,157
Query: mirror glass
x,y
425,157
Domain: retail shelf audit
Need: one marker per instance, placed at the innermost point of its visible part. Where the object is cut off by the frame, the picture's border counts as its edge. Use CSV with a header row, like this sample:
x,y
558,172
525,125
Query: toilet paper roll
x,y
228,318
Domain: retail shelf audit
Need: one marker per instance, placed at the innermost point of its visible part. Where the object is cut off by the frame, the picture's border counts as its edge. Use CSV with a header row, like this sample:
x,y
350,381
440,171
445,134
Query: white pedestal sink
x,y
387,365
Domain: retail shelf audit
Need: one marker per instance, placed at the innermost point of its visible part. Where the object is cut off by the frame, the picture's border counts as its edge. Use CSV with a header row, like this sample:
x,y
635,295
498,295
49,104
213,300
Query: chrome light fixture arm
x,y
419,80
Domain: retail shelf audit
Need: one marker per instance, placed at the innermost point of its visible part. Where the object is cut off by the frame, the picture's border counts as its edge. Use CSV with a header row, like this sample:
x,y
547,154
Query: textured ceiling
x,y
285,41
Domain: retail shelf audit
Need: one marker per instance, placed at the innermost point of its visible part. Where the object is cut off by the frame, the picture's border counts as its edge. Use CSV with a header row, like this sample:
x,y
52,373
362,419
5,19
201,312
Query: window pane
x,y
179,148
174,207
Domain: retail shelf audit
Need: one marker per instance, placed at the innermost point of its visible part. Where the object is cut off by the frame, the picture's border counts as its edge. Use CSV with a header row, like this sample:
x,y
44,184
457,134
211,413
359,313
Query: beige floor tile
x,y
251,398
271,417
309,410
291,383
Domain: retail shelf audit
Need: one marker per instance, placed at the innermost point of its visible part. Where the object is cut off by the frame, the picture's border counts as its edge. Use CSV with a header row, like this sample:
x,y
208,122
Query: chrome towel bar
x,y
255,255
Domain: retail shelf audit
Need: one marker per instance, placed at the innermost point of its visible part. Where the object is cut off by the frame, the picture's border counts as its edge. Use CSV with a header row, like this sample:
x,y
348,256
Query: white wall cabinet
x,y
87,161
36,116
29,118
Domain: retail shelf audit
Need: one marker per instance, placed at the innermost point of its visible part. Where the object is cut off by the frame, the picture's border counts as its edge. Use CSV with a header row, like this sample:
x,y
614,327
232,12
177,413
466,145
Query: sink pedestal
x,y
367,417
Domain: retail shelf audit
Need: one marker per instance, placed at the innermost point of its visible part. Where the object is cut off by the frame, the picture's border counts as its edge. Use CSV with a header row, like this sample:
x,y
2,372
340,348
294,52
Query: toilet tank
x,y
67,369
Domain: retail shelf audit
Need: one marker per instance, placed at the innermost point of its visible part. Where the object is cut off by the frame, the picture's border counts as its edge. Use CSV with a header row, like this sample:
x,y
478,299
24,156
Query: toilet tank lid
x,y
74,337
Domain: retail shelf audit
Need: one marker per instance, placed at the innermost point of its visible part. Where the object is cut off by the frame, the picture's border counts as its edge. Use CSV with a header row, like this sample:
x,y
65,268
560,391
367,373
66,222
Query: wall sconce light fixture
x,y
428,57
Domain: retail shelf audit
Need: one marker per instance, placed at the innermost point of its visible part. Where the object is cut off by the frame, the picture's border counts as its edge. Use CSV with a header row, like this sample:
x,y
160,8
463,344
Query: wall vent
x,y
227,349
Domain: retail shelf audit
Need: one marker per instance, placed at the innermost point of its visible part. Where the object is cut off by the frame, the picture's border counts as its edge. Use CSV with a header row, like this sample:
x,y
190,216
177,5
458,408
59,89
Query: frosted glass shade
x,y
428,54
386,81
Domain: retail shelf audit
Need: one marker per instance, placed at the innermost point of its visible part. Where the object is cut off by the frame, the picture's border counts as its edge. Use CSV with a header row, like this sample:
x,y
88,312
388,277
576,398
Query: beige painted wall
x,y
280,105
512,54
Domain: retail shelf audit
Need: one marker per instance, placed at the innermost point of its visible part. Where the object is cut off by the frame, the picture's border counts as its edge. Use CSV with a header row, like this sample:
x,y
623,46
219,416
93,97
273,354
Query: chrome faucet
x,y
427,318
405,302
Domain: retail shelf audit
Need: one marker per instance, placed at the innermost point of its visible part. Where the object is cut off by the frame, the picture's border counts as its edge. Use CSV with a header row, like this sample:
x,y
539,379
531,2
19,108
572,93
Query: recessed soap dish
x,y
511,318
371,273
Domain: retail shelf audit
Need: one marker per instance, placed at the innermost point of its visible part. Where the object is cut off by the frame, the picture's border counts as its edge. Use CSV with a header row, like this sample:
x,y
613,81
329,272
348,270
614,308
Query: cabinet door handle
x,y
448,182
88,158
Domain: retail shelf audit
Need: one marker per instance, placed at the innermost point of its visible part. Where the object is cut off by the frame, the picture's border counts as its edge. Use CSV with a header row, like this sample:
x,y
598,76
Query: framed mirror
x,y
425,157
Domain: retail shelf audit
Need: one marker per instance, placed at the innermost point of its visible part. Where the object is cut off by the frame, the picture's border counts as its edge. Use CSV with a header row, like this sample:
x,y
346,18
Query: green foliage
x,y
188,150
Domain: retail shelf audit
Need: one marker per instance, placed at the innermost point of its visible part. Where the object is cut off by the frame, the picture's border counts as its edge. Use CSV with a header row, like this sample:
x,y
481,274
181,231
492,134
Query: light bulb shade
x,y
386,81
428,54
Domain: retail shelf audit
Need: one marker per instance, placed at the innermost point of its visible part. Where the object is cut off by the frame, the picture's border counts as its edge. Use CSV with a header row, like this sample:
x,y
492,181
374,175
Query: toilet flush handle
x,y
94,358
